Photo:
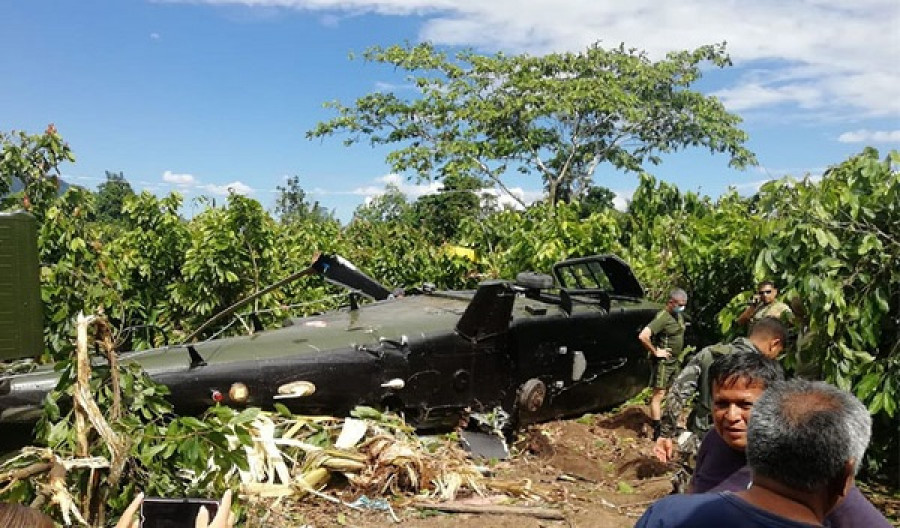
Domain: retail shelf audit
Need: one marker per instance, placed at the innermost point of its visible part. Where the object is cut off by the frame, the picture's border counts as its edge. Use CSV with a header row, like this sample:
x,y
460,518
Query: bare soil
x,y
596,471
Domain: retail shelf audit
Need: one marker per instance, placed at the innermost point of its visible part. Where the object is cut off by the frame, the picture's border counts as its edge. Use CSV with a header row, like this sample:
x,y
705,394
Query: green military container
x,y
21,313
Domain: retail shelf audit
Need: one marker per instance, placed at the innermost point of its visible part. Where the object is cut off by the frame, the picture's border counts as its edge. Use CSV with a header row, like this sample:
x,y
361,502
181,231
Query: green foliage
x,y
291,205
74,271
832,246
401,254
387,207
535,240
596,200
835,244
34,161
164,455
111,196
442,213
559,115
231,255
145,257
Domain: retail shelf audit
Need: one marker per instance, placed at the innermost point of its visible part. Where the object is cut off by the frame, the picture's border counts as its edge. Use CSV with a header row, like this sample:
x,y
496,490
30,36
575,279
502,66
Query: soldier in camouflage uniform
x,y
765,304
767,337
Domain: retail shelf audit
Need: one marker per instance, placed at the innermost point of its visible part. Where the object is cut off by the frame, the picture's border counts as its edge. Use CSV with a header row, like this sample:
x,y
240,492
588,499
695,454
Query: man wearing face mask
x,y
664,338
767,337
765,304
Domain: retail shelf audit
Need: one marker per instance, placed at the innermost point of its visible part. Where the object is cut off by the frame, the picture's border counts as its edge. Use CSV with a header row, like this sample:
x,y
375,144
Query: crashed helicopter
x,y
538,347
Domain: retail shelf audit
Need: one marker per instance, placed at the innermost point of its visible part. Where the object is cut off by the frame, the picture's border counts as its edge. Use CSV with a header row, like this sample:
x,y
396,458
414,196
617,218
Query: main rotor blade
x,y
231,309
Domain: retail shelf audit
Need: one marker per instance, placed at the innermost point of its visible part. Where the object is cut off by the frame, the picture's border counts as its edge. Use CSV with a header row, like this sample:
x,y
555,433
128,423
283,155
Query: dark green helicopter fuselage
x,y
433,357
538,348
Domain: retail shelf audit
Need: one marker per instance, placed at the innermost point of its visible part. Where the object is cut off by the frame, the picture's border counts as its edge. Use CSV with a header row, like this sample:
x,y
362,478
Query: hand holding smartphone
x,y
164,512
159,512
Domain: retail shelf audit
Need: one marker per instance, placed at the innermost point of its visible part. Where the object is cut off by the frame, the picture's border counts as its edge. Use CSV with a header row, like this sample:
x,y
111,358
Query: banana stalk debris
x,y
374,453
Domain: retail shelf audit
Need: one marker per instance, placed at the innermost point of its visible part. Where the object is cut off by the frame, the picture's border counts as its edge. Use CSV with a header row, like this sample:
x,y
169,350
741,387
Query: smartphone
x,y
165,512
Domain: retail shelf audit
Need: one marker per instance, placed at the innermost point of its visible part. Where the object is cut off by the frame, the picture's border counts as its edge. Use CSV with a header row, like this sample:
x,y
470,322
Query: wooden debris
x,y
455,507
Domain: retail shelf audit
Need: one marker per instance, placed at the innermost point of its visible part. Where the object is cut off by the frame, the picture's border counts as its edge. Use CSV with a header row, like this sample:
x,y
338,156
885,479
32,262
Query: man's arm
x,y
747,314
644,338
684,386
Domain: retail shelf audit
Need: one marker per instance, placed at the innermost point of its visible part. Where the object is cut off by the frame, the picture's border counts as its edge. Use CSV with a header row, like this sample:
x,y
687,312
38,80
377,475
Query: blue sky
x,y
205,95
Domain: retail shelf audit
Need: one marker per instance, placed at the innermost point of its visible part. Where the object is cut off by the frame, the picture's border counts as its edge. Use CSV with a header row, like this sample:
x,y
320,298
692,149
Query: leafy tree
x,y
596,200
291,204
387,207
836,245
706,248
231,255
74,267
559,115
111,196
442,213
146,254
34,161
512,241
651,204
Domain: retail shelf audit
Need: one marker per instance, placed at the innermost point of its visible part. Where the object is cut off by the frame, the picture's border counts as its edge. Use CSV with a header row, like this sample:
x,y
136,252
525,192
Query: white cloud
x,y
236,187
77,178
181,180
519,195
622,198
870,136
382,86
151,186
154,36
847,52
413,191
773,173
751,186
186,182
813,174
754,95
330,21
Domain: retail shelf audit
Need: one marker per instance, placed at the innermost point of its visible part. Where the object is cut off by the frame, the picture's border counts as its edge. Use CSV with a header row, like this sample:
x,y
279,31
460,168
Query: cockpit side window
x,y
584,276
599,273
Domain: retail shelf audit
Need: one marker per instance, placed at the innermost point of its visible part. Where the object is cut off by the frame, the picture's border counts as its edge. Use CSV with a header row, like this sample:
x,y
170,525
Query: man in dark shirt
x,y
737,382
722,460
664,339
803,448
767,337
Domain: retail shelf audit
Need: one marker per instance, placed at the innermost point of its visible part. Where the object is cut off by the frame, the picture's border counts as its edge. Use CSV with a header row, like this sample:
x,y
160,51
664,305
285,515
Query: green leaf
x,y
881,300
868,384
150,451
624,487
890,404
869,243
243,436
170,448
192,422
876,403
247,415
59,432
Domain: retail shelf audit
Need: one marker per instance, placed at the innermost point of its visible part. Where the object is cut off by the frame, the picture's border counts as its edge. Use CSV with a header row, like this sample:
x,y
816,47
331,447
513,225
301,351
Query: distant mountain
x,y
17,186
